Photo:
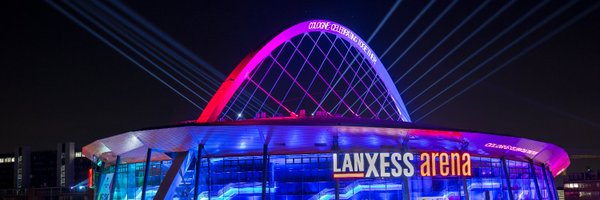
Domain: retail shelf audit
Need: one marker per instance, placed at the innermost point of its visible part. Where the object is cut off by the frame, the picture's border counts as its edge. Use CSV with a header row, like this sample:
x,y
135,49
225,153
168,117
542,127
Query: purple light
x,y
247,66
511,148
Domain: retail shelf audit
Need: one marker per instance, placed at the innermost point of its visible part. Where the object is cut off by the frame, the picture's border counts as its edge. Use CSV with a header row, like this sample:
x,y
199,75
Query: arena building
x,y
314,114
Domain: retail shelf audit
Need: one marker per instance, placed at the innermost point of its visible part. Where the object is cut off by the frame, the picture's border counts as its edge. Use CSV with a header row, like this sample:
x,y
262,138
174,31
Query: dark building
x,y
81,168
24,169
43,169
583,186
7,166
65,154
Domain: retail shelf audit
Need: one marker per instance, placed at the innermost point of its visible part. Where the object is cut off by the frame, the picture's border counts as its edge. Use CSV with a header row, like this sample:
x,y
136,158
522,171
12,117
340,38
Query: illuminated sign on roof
x,y
334,27
511,148
385,165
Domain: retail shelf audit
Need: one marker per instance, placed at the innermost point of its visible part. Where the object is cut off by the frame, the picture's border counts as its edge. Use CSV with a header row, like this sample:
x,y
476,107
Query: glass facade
x,y
310,176
127,184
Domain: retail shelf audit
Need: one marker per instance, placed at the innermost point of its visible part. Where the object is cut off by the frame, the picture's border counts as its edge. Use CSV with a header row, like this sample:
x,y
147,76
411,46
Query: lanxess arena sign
x,y
384,165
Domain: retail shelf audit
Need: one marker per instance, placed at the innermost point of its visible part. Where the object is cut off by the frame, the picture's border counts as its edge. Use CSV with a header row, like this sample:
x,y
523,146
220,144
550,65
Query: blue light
x,y
356,188
286,171
231,192
325,197
150,192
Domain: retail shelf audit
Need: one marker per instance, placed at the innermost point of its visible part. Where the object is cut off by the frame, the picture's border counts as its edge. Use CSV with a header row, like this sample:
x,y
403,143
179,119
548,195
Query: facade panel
x,y
310,176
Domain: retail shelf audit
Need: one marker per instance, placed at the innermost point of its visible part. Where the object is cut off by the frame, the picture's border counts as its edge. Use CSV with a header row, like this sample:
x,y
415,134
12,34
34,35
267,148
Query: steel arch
x,y
241,72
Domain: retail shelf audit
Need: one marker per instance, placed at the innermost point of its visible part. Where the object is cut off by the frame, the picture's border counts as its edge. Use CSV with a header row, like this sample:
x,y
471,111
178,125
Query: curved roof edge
x,y
306,135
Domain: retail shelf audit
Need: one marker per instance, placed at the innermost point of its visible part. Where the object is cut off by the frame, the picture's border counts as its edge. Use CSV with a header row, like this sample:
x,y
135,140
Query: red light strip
x,y
90,177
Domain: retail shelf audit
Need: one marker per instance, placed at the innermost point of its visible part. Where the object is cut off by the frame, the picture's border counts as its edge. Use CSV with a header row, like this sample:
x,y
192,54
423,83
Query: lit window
x,y
7,160
78,154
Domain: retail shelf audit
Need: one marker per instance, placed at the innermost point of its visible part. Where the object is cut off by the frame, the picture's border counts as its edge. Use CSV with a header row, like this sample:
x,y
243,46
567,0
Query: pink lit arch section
x,y
317,67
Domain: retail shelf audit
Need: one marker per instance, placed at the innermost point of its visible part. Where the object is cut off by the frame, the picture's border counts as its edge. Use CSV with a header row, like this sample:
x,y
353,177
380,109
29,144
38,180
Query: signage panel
x,y
394,164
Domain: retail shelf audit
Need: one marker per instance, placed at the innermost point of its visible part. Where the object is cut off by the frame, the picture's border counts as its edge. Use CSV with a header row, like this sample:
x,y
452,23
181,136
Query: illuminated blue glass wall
x,y
310,176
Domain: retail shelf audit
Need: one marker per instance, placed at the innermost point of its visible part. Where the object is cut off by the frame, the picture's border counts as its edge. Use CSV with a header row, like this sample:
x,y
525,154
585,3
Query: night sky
x,y
59,83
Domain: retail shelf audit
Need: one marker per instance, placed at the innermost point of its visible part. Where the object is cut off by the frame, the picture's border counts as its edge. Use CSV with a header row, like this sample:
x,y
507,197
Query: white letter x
x,y
372,169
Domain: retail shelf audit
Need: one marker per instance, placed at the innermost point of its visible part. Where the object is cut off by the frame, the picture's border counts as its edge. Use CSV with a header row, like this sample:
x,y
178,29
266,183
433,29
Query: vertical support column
x,y
115,177
208,183
552,182
548,187
198,166
465,188
553,186
98,178
405,182
335,147
464,147
337,190
507,176
265,164
535,180
146,171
